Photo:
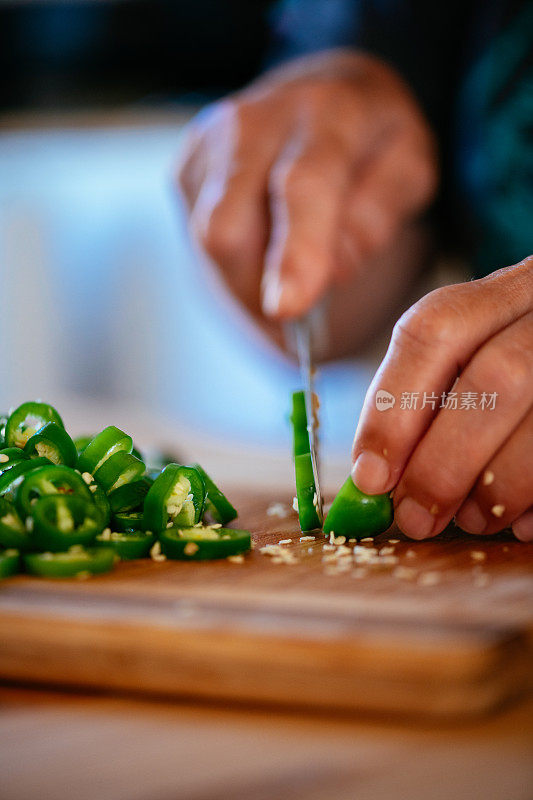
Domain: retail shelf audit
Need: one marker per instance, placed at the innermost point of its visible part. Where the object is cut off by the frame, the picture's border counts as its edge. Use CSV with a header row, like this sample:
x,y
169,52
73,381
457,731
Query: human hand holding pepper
x,y
298,182
474,463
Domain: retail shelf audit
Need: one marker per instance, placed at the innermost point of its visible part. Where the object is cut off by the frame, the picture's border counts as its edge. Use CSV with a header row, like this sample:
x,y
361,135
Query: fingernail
x,y
523,527
371,473
271,290
470,518
413,519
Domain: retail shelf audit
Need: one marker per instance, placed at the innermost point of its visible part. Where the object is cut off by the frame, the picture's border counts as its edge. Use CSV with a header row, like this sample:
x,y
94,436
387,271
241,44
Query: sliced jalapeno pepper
x,y
217,504
51,479
168,494
128,545
60,521
118,470
105,444
76,562
10,456
299,425
13,531
26,420
130,496
81,442
126,522
9,562
355,514
306,493
11,478
199,544
101,502
52,442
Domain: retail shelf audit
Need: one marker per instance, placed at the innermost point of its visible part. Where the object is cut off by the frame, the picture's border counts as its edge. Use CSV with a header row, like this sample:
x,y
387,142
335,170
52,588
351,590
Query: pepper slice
x,y
60,521
168,494
126,522
81,442
13,531
52,442
105,444
9,562
217,504
10,456
77,562
356,514
128,545
118,470
51,479
129,496
202,543
26,420
11,478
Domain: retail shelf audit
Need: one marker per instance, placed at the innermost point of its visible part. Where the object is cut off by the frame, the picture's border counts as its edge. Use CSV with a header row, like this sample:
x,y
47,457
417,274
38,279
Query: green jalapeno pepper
x,y
217,504
355,514
299,425
26,420
128,521
9,562
60,521
52,442
130,496
11,478
127,545
10,456
51,479
306,493
168,494
118,470
105,444
201,543
81,442
76,562
13,531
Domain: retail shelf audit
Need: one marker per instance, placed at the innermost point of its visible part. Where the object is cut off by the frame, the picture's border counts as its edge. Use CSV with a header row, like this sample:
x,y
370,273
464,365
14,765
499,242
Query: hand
x,y
299,181
476,464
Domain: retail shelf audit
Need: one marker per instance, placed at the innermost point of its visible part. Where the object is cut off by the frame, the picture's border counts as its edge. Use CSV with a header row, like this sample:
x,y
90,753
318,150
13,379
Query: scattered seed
x,y
3,458
339,540
277,510
368,539
295,504
488,477
478,555
498,510
307,538
87,477
190,548
285,541
429,578
394,541
239,559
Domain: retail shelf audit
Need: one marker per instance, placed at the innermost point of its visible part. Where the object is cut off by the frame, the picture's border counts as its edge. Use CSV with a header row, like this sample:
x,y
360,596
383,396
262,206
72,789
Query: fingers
x,y
460,442
503,492
307,186
390,192
430,345
224,178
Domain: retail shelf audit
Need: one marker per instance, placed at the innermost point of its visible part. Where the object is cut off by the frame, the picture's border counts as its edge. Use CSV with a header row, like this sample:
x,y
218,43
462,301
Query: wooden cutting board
x,y
444,629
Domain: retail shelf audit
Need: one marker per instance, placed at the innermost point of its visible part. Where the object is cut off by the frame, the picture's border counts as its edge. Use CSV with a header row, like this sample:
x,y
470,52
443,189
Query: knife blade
x,y
304,332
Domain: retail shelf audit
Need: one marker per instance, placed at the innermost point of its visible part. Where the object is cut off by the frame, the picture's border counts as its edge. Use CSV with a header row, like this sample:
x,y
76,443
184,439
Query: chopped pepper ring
x,y
168,495
201,543
9,562
51,479
60,521
52,442
77,562
105,444
127,545
356,514
119,469
13,531
217,504
26,420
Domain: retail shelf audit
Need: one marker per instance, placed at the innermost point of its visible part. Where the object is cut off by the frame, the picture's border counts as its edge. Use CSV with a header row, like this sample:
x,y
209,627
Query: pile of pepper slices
x,y
72,507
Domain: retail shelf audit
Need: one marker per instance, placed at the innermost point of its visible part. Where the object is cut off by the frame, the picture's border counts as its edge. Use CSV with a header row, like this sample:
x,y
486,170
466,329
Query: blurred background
x,y
104,306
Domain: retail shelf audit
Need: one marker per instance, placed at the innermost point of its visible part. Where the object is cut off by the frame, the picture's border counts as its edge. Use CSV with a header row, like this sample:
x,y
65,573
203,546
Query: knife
x,y
305,334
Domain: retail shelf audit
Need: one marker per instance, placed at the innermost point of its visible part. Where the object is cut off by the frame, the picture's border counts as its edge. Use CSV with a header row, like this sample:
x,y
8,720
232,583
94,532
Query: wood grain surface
x,y
445,629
